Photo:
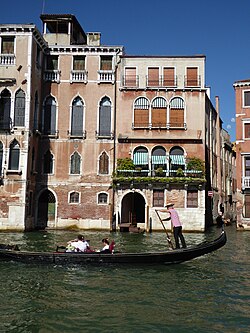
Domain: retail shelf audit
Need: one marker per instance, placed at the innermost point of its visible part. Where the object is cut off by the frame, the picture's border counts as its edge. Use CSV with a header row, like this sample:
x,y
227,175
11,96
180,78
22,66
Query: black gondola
x,y
151,258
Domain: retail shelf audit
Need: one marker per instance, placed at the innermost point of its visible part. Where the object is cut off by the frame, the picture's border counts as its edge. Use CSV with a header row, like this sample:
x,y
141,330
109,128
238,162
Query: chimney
x,y
94,38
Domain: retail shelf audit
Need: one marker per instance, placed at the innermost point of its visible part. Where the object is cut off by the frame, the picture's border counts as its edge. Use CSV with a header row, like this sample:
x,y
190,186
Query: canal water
x,y
208,294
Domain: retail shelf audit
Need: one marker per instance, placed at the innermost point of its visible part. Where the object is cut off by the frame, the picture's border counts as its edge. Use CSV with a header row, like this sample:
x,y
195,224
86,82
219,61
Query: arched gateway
x,y
133,208
46,210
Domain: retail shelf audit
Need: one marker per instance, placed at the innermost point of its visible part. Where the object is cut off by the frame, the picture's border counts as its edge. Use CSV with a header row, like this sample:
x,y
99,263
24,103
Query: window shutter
x,y
192,76
105,120
14,156
192,199
19,109
168,77
130,77
104,164
153,77
77,120
158,198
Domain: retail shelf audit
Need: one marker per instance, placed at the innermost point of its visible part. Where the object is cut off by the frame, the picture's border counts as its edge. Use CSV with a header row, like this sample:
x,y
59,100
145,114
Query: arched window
x,y
49,116
105,117
140,159
75,164
102,198
77,117
74,197
36,112
177,160
5,103
14,156
104,164
19,116
159,159
141,112
1,158
159,112
48,163
176,112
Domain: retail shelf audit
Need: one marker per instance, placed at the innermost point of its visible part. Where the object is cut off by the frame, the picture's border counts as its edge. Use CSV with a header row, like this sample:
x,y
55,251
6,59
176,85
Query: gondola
x,y
149,258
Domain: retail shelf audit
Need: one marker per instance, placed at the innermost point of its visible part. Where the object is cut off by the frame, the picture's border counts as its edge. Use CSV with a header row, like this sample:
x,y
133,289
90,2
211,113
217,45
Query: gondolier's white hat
x,y
169,204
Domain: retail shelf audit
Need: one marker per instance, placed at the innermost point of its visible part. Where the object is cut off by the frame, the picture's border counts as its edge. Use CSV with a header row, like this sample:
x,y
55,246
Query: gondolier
x,y
176,223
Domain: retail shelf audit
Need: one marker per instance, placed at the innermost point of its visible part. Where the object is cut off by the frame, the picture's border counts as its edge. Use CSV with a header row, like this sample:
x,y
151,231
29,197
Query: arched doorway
x,y
133,208
46,210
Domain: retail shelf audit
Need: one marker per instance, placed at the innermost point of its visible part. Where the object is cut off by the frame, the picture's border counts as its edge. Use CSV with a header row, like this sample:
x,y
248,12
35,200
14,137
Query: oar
x,y
168,238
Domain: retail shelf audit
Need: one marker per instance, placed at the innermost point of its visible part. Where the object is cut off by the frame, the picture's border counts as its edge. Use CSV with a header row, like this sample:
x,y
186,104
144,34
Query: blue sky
x,y
218,29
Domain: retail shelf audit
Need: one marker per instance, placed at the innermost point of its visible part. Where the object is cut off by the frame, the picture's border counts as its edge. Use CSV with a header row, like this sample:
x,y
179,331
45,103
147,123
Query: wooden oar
x,y
168,238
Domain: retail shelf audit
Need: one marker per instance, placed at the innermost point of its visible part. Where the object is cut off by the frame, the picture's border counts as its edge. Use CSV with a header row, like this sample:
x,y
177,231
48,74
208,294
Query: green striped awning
x,y
140,158
177,159
159,159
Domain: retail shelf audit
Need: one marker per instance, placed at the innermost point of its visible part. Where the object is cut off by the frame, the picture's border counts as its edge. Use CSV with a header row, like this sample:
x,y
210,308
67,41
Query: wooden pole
x,y
168,238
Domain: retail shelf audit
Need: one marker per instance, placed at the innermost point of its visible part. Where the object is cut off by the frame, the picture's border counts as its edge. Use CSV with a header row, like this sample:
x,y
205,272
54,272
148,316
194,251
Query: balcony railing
x,y
245,182
52,75
161,82
106,76
78,76
192,83
159,126
164,173
104,135
7,59
77,134
130,81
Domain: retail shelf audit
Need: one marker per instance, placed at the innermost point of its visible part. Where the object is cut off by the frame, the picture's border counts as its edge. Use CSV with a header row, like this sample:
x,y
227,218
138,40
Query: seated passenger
x,y
105,248
77,245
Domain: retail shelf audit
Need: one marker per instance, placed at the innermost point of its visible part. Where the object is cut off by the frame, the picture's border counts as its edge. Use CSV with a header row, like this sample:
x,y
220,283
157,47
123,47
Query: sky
x,y
218,29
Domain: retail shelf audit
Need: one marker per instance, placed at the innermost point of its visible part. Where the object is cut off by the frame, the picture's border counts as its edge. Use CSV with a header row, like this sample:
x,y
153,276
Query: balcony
x,y
78,76
167,126
7,59
104,135
77,134
106,76
245,181
161,82
130,81
52,75
192,82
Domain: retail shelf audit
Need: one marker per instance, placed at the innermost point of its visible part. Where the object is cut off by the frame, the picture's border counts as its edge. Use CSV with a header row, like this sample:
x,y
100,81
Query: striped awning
x,y
177,159
140,158
159,159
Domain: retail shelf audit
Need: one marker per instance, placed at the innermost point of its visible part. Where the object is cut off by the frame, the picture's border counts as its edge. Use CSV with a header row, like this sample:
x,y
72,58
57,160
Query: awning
x,y
140,158
159,159
177,159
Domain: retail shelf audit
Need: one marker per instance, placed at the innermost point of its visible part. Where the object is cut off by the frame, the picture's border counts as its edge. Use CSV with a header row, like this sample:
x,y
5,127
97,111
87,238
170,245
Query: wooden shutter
x,y
79,63
176,117
130,77
141,118
19,109
192,76
105,120
192,198
106,63
168,77
153,77
7,45
159,117
104,164
77,120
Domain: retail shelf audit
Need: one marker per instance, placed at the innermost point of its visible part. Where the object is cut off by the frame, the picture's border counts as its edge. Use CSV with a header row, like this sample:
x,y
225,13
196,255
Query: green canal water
x,y
208,294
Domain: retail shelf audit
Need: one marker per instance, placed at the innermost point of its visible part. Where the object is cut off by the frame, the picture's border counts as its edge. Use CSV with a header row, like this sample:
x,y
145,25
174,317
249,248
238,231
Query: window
x,y
74,197
140,158
141,112
78,63
7,45
5,103
36,112
247,166
246,98
176,112
247,130
158,198
130,79
48,163
104,164
169,77
177,160
106,63
153,77
105,117
102,198
1,159
14,156
159,160
75,164
192,77
52,63
19,108
192,198
49,117
77,117
159,112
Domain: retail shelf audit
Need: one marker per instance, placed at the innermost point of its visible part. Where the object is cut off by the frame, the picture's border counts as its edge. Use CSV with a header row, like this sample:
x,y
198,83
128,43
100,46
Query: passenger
x,y
78,245
105,248
220,220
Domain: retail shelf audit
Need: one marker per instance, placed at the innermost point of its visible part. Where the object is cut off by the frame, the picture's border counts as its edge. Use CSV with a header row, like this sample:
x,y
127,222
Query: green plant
x,y
195,163
179,172
125,164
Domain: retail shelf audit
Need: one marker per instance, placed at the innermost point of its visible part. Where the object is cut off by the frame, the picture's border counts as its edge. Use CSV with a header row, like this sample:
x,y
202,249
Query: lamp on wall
x,y
19,68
